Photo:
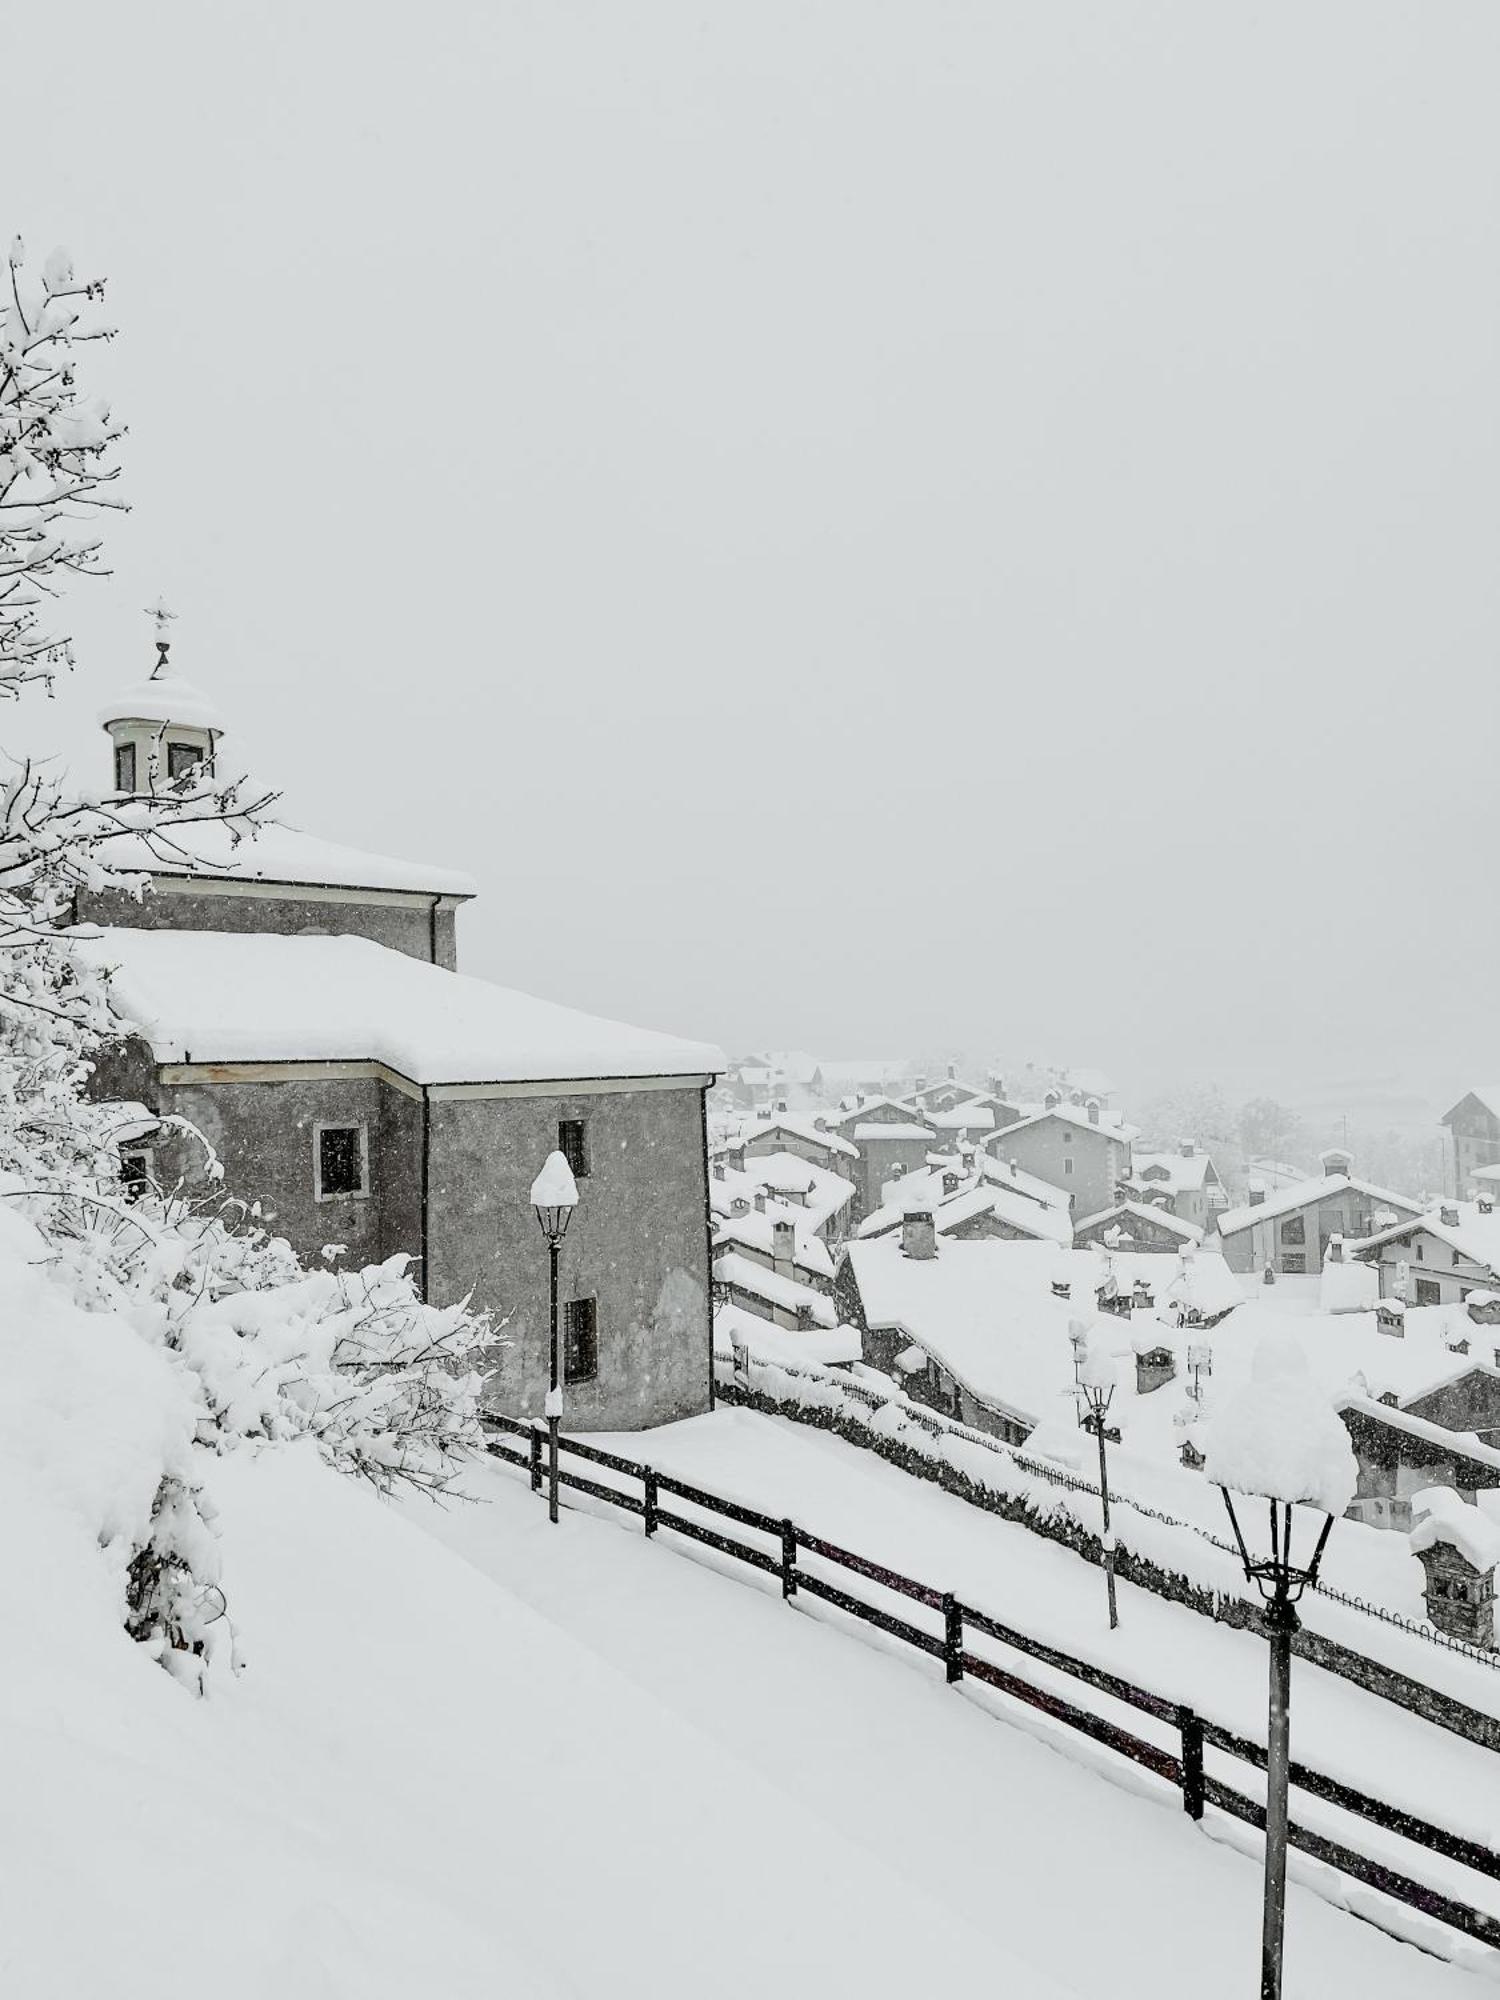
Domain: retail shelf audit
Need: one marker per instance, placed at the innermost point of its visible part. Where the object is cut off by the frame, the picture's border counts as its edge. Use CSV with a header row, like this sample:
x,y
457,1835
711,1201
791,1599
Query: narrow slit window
x,y
581,1340
573,1144
124,767
343,1162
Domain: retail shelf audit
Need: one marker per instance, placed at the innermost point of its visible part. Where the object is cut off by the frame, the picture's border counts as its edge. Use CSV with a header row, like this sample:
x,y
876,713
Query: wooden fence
x,y
949,1639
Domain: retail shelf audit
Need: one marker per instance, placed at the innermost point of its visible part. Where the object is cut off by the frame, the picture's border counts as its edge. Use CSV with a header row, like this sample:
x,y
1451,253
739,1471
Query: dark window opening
x,y
1294,1263
341,1160
573,1144
182,758
1429,1292
581,1340
135,1171
124,767
1294,1230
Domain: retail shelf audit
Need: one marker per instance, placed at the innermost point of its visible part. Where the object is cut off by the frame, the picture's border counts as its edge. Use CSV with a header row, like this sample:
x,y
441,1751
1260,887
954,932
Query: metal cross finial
x,y
161,617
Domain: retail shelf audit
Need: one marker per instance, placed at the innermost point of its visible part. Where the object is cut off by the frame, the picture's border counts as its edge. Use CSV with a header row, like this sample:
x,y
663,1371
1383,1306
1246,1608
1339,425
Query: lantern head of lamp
x,y
554,1196
1276,1571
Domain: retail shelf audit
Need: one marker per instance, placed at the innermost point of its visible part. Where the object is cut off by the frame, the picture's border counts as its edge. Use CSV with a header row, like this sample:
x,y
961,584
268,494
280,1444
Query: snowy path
x,y
991,1827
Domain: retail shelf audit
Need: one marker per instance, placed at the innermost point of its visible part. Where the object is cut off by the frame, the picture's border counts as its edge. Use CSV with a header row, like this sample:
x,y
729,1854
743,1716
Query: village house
x,y
801,1138
297,1005
969,1204
1134,1225
888,1143
810,1195
1289,1231
1186,1182
1473,1136
1075,1147
1439,1257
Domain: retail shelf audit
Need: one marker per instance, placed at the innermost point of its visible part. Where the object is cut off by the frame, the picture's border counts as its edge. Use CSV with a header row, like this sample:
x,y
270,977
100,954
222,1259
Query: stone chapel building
x,y
299,1003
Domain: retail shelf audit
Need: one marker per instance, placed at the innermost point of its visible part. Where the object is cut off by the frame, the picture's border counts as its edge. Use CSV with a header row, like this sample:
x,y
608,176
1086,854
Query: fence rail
x,y
1181,1767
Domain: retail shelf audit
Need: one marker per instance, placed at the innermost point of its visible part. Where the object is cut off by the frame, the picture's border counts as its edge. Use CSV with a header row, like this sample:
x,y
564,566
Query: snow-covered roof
x,y
843,1073
811,1194
1179,1173
276,852
799,1128
1070,1114
1046,1221
836,1346
970,1116
860,1111
877,1129
1473,1235
1348,1286
164,698
731,1269
1124,1213
208,996
1302,1195
756,1229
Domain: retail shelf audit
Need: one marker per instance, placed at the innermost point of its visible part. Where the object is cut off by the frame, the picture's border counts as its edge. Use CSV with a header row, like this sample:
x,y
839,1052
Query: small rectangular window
x,y
573,1144
581,1340
1067,1166
181,758
124,767
1294,1263
342,1153
1294,1230
137,1170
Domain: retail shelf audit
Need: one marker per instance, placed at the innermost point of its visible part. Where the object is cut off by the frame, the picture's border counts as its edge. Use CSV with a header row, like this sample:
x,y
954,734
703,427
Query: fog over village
x,y
749,1104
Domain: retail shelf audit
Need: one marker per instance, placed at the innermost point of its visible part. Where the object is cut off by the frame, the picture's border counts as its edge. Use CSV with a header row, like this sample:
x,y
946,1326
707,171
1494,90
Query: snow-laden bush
x,y
253,1346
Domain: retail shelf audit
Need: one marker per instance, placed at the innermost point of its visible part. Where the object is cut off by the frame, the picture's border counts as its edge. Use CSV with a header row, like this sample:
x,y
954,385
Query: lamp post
x,y
1280,1446
554,1196
1095,1392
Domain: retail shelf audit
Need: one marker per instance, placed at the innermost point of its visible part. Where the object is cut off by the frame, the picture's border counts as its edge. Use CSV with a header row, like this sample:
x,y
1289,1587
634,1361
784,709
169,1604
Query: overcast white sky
x,y
865,526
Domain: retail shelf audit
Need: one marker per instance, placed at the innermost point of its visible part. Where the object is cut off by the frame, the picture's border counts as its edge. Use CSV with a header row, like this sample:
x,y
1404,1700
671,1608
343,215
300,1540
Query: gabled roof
x,y
1485,1094
1182,1173
756,1231
1046,1222
217,997
799,1128
1474,1236
1126,1212
729,1268
1070,1114
860,1113
1303,1195
274,853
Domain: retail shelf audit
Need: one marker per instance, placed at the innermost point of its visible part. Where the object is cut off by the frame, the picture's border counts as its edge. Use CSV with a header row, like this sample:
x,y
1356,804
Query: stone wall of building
x,y
1086,1164
413,930
638,1244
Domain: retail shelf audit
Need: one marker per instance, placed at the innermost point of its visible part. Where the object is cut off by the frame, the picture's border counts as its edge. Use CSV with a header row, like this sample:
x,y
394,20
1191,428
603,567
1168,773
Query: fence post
x,y
953,1637
536,1460
788,1560
1192,1761
648,1512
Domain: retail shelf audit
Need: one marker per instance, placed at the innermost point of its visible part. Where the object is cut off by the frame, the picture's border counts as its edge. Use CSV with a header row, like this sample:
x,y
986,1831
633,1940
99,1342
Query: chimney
x,y
1015,1165
1093,1110
997,1087
1186,1148
719,1171
1486,1204
1256,1196
1335,1249
1448,1216
921,1083
783,1241
820,1124
953,1072
760,1201
918,1235
736,1157
951,1181
781,1106
1051,1100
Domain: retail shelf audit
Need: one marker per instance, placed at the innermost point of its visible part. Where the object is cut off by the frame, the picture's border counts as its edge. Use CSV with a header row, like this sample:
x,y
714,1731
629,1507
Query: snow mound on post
x,y
554,1186
1280,1437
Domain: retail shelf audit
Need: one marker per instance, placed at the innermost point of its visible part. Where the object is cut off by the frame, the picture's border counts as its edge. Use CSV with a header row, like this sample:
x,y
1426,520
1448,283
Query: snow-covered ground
x,y
1018,1866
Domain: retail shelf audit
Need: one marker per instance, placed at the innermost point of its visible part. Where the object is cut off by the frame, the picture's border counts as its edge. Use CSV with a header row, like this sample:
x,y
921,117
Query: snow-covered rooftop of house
x,y
1047,1221
1302,1194
798,1128
1128,1215
276,852
861,1109
1070,1114
1348,1286
877,1129
207,996
729,1268
987,1310
1178,1173
836,1346
757,1231
970,1116
844,1074
794,1187
1473,1234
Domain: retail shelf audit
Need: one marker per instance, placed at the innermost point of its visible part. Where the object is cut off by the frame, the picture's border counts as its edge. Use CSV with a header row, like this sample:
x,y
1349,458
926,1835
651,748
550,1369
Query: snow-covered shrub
x,y
248,1344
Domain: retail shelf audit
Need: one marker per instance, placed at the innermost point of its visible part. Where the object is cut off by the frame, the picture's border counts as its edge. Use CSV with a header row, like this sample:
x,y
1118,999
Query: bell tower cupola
x,y
165,732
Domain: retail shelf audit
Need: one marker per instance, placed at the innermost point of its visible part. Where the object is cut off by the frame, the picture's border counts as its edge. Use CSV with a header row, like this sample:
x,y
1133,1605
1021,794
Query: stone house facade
x,y
1291,1230
1473,1137
318,1036
1076,1149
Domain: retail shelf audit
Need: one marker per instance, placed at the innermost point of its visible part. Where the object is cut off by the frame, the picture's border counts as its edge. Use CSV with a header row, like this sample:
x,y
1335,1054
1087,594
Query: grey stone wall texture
x,y
410,931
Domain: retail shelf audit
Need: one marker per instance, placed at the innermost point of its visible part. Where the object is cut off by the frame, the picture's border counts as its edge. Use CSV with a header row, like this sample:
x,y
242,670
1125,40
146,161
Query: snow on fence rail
x,y
1180,1764
829,1387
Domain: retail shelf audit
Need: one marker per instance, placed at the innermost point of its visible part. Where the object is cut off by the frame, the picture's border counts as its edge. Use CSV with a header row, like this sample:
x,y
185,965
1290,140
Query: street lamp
x,y
1095,1374
554,1196
1280,1443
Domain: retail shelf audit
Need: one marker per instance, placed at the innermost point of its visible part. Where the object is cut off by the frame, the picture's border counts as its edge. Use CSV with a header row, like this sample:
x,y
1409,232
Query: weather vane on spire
x,y
161,617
